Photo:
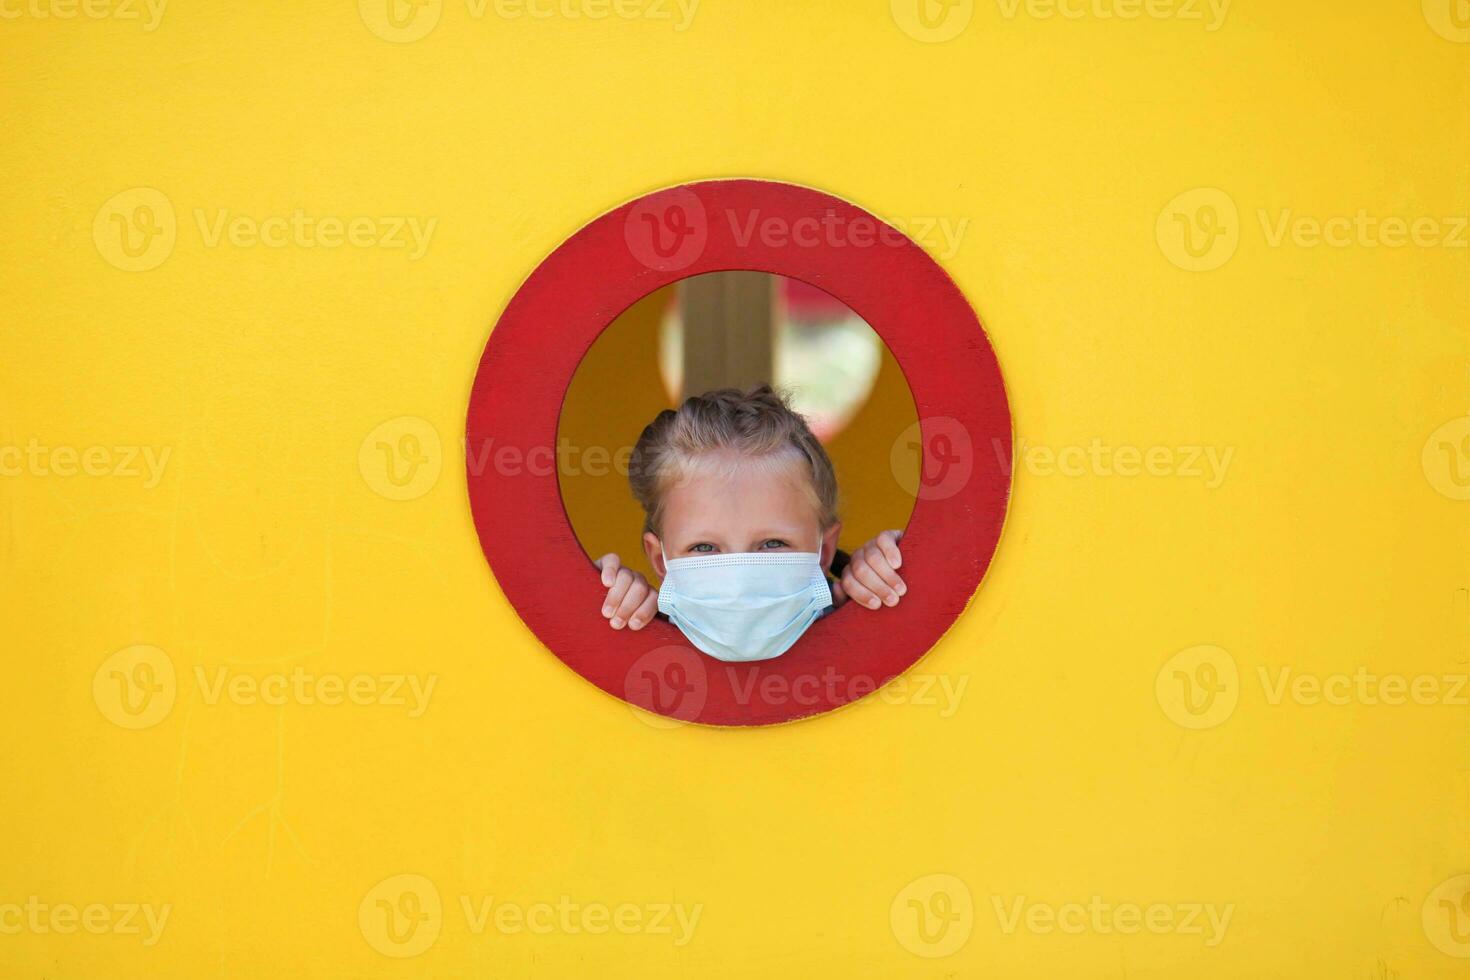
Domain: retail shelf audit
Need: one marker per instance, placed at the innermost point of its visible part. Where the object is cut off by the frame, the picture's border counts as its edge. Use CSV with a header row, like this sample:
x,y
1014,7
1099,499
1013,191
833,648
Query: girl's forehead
x,y
768,491
780,473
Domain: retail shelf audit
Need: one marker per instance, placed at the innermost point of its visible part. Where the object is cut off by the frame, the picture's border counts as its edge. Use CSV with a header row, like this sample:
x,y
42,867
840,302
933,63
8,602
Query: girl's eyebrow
x,y
763,537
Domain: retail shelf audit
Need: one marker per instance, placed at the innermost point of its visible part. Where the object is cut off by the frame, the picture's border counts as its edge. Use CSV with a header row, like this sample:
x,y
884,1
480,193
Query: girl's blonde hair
x,y
746,427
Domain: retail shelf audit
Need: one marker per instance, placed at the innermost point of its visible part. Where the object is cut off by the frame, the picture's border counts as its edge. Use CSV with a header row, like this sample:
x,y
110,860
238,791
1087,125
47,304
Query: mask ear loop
x,y
821,585
665,578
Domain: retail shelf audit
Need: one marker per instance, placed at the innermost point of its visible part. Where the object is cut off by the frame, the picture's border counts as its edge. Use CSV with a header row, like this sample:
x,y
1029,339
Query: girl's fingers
x,y
888,544
884,570
644,613
868,575
632,599
620,587
609,563
859,592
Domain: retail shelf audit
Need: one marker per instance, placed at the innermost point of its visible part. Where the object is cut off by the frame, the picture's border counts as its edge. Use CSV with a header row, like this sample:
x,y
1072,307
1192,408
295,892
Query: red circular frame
x,y
714,226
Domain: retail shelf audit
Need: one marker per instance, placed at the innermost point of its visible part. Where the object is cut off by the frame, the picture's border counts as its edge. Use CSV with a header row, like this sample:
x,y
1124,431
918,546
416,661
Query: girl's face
x,y
740,509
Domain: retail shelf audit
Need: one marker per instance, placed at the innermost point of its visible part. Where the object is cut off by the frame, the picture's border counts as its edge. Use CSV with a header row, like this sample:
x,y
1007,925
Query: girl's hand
x,y
871,576
630,600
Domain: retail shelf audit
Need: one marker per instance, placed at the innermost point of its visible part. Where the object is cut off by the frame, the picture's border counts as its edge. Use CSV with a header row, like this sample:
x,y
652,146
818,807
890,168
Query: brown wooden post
x,y
728,330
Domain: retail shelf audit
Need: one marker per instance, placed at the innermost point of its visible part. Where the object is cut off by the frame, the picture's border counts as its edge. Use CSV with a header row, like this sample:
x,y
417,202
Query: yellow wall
x,y
276,538
617,390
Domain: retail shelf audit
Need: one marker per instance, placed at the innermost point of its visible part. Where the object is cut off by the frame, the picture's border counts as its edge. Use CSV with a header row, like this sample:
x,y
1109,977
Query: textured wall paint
x,y
302,404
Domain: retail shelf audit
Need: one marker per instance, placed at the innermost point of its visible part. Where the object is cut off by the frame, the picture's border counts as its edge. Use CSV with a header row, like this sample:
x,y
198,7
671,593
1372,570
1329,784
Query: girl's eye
x,y
773,543
702,548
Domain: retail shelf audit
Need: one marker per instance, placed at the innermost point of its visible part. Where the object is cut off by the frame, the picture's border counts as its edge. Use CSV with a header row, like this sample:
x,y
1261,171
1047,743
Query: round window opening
x,y
933,458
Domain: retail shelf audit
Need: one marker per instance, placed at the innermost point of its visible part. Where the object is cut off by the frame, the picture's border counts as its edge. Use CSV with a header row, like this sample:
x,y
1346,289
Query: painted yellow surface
x,y
254,252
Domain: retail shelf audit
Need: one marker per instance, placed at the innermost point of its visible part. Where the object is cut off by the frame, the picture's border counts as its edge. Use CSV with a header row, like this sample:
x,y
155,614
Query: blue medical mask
x,y
744,607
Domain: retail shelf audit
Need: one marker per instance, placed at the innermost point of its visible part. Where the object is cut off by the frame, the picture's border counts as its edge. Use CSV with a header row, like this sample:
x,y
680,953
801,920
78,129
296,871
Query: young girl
x,y
740,504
